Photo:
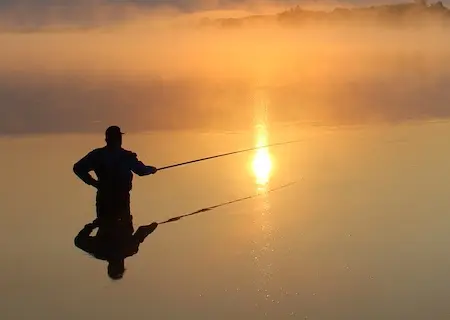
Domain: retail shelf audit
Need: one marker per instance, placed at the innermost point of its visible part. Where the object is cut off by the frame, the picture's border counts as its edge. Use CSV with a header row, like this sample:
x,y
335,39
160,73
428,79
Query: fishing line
x,y
226,154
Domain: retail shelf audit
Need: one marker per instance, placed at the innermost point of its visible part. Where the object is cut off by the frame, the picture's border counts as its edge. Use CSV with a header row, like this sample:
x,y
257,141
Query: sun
x,y
262,162
262,166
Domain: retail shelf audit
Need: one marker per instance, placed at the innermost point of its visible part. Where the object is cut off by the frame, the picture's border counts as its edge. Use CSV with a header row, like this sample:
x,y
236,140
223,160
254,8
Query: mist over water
x,y
166,71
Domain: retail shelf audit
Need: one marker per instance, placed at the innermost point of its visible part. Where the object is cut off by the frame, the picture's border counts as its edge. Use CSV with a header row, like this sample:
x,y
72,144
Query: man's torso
x,y
113,170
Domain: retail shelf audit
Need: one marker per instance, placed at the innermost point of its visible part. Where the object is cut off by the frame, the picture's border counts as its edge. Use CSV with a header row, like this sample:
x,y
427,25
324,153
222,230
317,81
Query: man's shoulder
x,y
98,155
129,154
104,152
96,152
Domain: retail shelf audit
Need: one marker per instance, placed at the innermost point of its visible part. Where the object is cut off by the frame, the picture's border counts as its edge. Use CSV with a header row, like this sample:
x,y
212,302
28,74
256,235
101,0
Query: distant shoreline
x,y
419,12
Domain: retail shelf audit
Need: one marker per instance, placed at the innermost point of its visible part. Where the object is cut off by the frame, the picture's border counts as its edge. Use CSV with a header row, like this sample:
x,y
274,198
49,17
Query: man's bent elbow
x,y
76,170
78,242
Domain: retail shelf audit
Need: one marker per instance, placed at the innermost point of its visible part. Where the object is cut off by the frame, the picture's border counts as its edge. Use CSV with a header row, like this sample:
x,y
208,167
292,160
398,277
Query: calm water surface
x,y
363,234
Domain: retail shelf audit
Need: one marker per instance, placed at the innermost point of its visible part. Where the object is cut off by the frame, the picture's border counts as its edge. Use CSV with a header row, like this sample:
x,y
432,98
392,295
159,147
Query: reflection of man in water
x,y
114,242
114,167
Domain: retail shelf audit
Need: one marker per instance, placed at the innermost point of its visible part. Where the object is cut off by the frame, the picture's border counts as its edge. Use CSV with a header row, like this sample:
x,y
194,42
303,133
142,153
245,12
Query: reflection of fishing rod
x,y
226,154
225,203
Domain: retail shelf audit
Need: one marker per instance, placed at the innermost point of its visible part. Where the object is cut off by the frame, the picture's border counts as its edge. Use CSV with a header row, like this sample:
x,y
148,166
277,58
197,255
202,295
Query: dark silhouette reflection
x,y
114,241
224,204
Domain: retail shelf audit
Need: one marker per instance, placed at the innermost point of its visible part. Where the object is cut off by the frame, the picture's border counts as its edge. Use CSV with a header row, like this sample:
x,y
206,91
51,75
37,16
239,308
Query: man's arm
x,y
140,168
82,169
143,232
84,241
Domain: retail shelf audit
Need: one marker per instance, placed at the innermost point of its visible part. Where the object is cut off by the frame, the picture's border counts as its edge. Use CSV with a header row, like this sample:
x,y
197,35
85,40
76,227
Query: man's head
x,y
116,269
113,136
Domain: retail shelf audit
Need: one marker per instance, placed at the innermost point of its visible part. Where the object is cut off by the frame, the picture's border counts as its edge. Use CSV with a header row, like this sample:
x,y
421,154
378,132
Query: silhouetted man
x,y
114,242
114,168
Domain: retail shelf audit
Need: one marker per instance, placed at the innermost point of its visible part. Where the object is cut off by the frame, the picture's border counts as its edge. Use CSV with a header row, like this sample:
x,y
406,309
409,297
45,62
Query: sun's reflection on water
x,y
262,166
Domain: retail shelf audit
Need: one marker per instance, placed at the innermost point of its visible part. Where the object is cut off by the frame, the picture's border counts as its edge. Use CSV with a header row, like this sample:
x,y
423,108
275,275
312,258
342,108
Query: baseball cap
x,y
113,131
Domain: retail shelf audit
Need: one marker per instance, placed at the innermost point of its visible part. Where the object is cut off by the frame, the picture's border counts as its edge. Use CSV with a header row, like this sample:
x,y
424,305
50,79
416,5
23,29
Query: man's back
x,y
113,167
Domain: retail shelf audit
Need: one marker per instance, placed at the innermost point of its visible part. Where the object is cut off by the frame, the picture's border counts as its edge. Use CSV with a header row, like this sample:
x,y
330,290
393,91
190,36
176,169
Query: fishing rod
x,y
226,154
226,203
